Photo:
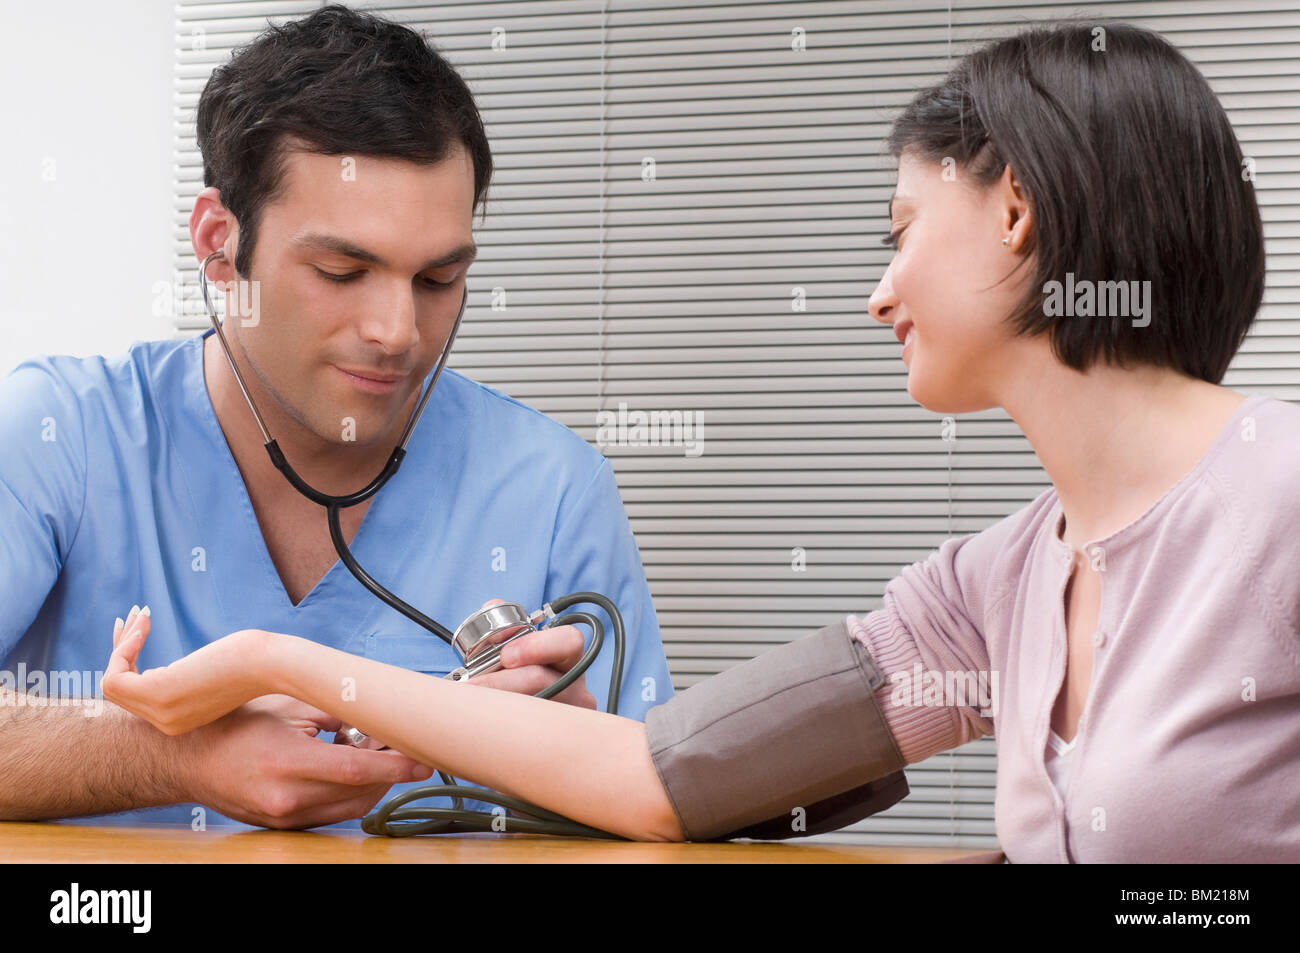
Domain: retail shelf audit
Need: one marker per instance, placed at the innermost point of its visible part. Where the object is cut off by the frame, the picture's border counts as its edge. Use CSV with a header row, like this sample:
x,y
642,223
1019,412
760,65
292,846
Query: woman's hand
x,y
192,691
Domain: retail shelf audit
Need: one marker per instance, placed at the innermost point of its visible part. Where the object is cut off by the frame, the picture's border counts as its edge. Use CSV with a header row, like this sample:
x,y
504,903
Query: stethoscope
x,y
478,640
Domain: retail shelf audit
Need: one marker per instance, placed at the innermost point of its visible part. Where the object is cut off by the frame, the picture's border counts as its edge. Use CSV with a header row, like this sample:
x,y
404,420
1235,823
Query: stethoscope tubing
x,y
334,503
392,818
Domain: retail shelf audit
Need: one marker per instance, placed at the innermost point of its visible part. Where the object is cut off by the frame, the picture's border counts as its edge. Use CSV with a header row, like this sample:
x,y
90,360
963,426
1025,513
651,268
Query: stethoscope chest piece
x,y
478,640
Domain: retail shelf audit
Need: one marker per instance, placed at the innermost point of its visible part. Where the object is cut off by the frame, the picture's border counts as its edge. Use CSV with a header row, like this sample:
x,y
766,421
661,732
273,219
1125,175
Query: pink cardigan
x,y
1189,741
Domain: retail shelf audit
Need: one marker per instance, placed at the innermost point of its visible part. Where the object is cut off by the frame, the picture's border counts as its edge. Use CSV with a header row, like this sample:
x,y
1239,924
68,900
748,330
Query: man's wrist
x,y
165,763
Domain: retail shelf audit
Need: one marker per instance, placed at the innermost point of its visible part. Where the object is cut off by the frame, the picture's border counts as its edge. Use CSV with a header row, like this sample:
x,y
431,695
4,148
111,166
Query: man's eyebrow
x,y
341,246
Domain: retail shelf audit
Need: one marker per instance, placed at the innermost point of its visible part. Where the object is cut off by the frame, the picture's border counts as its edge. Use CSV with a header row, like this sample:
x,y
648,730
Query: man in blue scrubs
x,y
342,191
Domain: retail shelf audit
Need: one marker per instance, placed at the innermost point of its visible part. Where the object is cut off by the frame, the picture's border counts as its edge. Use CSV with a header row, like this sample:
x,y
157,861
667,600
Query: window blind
x,y
685,218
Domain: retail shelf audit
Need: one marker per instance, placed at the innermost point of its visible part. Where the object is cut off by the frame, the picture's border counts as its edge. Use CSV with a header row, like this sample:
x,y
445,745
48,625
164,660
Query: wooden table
x,y
55,842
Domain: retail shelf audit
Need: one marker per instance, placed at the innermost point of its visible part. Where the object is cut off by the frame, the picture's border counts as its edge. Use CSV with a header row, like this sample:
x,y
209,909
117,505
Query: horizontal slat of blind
x,y
675,294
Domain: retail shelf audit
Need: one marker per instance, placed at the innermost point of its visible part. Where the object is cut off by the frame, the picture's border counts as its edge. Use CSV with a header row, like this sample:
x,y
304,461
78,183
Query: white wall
x,y
89,85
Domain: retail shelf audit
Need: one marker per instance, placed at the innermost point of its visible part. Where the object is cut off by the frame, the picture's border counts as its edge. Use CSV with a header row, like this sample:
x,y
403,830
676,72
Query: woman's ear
x,y
1014,211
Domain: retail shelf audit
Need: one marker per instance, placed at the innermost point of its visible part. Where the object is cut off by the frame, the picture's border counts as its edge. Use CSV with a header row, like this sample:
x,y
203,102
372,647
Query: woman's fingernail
x,y
118,623
144,611
132,614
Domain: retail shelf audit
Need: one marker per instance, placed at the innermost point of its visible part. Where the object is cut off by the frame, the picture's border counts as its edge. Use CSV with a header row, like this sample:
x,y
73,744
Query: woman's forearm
x,y
590,766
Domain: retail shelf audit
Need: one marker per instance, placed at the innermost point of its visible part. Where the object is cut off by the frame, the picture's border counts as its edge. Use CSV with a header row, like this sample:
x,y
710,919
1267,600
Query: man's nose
x,y
392,324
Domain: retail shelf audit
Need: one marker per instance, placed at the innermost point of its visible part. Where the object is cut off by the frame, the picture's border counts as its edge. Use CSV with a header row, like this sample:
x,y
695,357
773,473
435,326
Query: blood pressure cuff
x,y
789,744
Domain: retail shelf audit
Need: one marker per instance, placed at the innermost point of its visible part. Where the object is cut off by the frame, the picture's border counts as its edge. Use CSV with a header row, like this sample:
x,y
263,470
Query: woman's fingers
x,y
191,691
117,661
134,633
128,638
120,625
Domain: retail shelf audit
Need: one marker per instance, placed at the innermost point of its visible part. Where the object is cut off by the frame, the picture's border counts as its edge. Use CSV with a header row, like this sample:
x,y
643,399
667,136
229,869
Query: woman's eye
x,y
439,284
891,240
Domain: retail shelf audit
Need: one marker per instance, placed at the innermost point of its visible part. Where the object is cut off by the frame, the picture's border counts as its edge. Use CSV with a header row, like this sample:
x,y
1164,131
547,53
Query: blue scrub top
x,y
117,487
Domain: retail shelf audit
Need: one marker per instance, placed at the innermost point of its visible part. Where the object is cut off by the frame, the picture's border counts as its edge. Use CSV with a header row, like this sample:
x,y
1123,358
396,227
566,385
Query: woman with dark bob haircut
x,y
1077,241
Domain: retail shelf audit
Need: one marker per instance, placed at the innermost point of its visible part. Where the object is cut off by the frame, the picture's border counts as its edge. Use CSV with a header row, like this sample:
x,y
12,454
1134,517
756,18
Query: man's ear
x,y
213,226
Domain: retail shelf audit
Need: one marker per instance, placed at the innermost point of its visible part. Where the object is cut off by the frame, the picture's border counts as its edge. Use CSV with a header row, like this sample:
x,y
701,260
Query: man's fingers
x,y
344,764
532,679
322,815
304,715
559,647
370,744
528,680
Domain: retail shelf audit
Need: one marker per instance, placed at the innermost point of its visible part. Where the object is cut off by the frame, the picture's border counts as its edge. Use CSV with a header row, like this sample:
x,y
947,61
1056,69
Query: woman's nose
x,y
882,304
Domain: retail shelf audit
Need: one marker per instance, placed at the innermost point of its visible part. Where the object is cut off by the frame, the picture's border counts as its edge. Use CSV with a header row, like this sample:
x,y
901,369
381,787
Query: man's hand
x,y
537,660
258,761
263,764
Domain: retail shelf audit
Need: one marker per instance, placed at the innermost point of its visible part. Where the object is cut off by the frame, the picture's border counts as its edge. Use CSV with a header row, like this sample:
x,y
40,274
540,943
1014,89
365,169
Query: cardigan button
x,y
1099,638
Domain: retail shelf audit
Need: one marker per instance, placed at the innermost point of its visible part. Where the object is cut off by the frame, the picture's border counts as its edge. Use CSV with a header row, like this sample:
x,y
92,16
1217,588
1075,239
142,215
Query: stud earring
x,y
1006,241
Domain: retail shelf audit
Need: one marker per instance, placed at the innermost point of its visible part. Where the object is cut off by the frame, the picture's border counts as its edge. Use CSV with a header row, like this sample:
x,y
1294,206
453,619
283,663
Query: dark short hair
x,y
345,83
1133,173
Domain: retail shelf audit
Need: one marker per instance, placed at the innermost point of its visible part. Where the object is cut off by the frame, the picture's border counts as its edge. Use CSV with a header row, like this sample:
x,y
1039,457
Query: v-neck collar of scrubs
x,y
202,442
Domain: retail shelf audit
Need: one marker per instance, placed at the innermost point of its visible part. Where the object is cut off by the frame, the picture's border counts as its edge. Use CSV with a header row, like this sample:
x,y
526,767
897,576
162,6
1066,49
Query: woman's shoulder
x,y
1256,481
1258,466
985,565
1016,533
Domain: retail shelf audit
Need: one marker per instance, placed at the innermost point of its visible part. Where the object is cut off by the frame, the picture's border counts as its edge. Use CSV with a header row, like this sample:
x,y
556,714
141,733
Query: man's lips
x,y
383,384
372,375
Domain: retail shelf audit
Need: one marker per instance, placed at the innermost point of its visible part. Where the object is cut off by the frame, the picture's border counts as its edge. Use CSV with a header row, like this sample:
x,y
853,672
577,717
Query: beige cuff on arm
x,y
796,728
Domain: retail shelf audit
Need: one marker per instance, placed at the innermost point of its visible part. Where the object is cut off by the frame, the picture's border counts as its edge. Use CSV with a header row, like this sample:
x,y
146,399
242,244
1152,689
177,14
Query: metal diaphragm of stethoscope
x,y
478,640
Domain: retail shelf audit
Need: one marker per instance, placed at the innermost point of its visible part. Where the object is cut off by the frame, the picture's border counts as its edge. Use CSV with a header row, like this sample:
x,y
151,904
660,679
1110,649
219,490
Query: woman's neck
x,y
1113,441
